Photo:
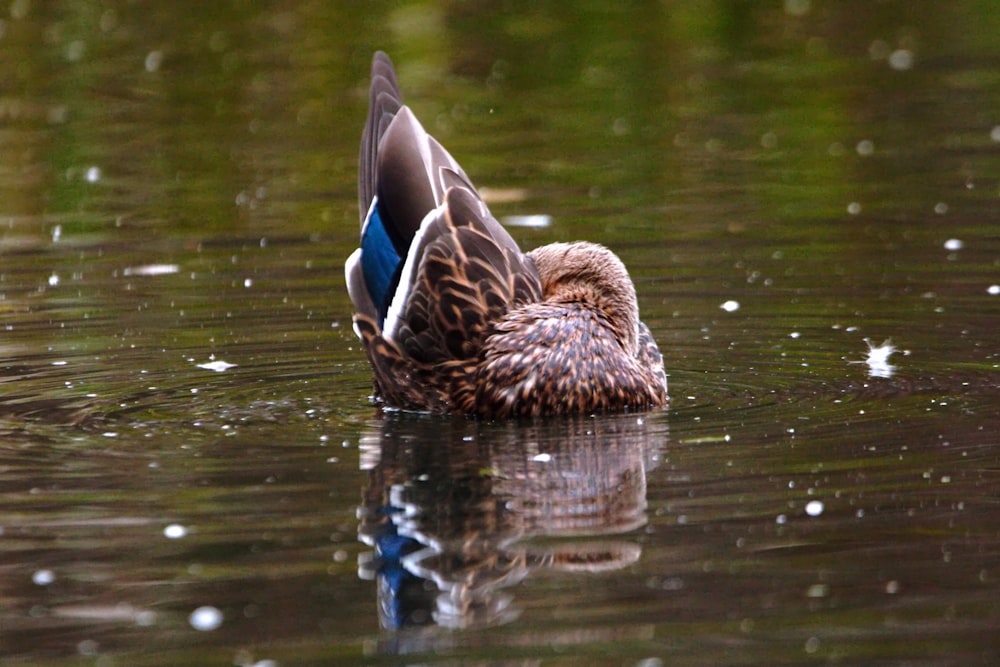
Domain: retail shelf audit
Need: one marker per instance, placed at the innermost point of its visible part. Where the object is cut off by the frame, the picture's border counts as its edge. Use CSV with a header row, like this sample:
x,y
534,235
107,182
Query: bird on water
x,y
454,318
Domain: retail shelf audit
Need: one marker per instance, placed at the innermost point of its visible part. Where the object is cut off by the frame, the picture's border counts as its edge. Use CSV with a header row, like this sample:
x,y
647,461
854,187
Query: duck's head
x,y
590,273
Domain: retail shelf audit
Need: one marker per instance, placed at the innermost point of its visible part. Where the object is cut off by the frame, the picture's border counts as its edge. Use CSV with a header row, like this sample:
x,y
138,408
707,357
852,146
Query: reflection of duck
x,y
454,318
458,511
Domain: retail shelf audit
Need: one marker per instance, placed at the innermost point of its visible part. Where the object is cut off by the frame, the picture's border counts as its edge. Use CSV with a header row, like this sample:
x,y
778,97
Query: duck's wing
x,y
421,209
462,274
403,174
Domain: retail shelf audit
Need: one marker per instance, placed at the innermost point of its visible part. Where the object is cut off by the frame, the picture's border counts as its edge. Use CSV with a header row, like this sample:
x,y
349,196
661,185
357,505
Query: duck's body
x,y
455,318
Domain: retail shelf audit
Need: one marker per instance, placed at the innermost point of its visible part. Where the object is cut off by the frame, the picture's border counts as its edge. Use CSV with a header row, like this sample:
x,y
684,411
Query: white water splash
x,y
878,359
218,366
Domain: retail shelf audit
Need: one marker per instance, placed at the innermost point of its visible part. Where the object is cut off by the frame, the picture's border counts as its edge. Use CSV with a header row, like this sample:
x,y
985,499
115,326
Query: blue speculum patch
x,y
380,263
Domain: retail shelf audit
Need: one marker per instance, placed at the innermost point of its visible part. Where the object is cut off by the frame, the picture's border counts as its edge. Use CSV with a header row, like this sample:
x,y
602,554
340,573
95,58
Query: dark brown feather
x,y
384,101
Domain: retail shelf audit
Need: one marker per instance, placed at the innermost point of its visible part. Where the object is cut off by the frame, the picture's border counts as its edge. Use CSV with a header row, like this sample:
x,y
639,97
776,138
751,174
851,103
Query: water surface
x,y
190,469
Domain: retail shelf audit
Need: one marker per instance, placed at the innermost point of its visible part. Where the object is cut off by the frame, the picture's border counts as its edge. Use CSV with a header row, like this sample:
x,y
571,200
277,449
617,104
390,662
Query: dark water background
x,y
177,188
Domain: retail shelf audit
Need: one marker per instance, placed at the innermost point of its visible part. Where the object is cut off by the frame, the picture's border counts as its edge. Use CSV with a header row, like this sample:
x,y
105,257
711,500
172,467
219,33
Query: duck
x,y
455,319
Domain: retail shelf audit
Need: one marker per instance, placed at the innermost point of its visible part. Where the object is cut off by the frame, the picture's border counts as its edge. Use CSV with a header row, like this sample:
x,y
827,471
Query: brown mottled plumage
x,y
455,318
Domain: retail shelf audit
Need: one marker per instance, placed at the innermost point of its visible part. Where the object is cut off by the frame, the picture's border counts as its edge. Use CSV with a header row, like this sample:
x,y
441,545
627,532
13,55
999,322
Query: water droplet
x,y
730,306
153,60
175,531
814,507
818,591
43,577
205,618
537,221
151,270
218,366
901,59
75,50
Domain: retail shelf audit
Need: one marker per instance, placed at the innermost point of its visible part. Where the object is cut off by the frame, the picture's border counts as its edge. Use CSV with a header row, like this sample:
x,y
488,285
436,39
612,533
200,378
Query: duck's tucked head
x,y
590,273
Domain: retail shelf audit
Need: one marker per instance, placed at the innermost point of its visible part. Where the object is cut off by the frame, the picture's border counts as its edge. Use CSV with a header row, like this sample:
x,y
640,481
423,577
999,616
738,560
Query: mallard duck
x,y
454,318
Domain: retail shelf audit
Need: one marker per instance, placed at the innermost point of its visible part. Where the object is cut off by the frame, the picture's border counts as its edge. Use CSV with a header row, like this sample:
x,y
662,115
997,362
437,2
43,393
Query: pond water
x,y
805,192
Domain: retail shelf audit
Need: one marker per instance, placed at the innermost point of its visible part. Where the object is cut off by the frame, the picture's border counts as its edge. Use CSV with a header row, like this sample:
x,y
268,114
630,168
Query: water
x,y
190,471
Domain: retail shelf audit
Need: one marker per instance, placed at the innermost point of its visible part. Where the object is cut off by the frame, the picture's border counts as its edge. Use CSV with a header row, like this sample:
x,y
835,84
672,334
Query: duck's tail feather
x,y
403,176
425,223
384,102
